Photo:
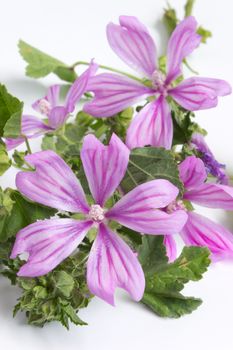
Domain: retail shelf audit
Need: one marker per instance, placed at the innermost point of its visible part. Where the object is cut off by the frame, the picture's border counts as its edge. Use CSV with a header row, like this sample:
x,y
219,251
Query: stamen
x,y
175,205
158,81
96,213
44,106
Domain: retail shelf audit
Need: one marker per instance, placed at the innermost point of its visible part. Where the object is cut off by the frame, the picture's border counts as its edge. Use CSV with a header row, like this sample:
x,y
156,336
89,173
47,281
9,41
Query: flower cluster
x,y
153,205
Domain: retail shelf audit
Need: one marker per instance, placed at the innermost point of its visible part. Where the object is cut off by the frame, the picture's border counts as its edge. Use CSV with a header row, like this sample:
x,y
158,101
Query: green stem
x,y
27,145
189,67
84,63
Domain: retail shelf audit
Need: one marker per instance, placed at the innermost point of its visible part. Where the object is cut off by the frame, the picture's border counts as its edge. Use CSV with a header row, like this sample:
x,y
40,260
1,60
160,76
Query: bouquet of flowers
x,y
121,166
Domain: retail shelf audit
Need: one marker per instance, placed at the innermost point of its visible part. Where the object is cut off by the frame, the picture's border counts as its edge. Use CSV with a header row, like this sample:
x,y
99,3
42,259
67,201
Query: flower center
x,y
158,81
44,106
96,213
175,205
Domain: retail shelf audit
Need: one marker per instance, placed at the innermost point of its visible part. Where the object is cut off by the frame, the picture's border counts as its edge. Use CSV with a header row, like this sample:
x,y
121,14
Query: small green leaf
x,y
170,19
40,64
5,161
72,315
9,106
64,283
149,163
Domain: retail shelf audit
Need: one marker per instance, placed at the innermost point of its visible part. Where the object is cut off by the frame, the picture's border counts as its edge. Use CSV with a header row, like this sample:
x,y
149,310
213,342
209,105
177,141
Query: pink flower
x,y
111,262
49,107
132,42
198,230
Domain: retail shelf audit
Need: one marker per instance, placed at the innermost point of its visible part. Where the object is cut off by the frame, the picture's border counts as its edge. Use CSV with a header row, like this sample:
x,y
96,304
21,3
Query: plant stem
x,y
84,63
27,145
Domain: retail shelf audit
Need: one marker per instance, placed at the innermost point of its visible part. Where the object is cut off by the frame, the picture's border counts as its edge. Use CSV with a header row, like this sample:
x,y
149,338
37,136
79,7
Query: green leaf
x,y
9,106
5,161
170,19
40,64
63,282
12,127
149,163
165,281
22,213
72,315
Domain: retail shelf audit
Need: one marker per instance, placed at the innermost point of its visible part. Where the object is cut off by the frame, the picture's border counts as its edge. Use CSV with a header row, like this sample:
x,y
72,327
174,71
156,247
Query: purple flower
x,y
49,107
132,42
213,167
111,262
198,230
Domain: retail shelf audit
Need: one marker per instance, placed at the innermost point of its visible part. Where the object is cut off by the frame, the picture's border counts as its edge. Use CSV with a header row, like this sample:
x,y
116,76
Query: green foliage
x,y
40,64
205,34
5,161
170,19
149,163
10,111
188,9
164,281
57,296
184,126
16,212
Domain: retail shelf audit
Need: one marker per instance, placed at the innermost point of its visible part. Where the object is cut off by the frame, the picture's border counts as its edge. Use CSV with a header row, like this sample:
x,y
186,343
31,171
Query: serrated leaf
x,y
149,163
9,105
72,315
12,127
40,64
5,161
165,281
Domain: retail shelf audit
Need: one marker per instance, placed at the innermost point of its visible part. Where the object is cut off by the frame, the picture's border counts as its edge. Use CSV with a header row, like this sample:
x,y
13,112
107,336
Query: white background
x,y
75,30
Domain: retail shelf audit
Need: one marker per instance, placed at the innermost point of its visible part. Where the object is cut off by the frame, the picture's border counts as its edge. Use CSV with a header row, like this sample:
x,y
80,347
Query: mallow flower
x,y
132,42
111,262
199,230
213,167
50,108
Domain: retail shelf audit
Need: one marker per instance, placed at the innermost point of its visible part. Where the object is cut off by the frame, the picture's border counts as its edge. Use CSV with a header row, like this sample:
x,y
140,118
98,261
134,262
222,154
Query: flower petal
x,y
104,166
52,98
132,42
13,143
113,264
212,196
199,93
58,116
48,243
52,183
137,209
113,93
200,231
79,87
151,126
182,42
170,245
192,172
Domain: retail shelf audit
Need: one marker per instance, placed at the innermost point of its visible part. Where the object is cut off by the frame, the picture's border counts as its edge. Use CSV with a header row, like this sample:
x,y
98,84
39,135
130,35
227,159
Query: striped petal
x,y
114,93
132,42
48,243
170,245
199,93
52,183
58,116
212,196
79,87
113,264
104,166
200,231
182,42
192,172
151,126
137,209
